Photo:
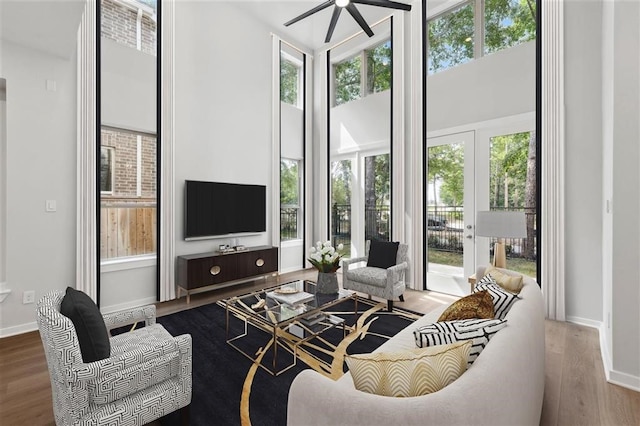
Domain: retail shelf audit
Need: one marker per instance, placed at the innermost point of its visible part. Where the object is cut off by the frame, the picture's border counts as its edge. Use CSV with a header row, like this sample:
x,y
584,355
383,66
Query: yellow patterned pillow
x,y
413,372
512,283
475,305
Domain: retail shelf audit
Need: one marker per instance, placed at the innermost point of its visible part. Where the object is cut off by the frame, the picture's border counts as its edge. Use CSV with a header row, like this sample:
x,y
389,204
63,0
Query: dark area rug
x,y
220,372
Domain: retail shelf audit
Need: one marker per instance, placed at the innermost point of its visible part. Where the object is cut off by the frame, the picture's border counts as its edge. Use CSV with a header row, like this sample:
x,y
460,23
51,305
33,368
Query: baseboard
x,y
615,377
128,305
584,321
18,329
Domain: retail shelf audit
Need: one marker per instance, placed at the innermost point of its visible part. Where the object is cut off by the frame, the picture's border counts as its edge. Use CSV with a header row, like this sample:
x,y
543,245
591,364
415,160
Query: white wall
x,y
41,165
361,124
499,85
223,106
583,250
3,185
602,247
128,80
625,279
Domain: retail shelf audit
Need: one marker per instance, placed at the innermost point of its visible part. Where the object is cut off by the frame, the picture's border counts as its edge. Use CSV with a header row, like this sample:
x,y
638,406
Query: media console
x,y
218,270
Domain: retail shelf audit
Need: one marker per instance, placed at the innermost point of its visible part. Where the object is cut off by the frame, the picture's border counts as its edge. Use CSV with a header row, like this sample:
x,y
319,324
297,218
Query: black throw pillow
x,y
89,324
382,254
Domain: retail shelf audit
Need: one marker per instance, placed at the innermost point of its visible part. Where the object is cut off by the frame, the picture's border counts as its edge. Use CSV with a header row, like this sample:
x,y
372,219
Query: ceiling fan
x,y
350,5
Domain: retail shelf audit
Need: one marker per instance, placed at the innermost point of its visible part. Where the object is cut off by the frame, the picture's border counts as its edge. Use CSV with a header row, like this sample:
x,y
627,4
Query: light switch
x,y
50,206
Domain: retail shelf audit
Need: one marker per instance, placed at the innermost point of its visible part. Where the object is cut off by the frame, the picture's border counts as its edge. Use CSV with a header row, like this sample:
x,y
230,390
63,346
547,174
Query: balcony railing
x,y
288,223
376,224
445,231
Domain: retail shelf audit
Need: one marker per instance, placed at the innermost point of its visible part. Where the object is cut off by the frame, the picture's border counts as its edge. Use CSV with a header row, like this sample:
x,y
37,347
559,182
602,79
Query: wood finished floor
x,y
576,392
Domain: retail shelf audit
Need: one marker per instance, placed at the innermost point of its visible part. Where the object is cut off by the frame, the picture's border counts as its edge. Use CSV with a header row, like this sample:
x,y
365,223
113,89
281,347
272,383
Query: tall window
x,y
454,38
127,169
379,67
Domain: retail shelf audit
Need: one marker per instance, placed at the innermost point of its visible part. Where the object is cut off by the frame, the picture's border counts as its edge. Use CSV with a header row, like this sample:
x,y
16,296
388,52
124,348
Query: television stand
x,y
219,270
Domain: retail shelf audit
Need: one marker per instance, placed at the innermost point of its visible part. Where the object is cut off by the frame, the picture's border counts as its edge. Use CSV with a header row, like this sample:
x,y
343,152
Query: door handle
x,y
469,227
469,236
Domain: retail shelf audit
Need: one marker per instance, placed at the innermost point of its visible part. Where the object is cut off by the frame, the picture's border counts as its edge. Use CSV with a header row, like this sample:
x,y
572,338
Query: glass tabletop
x,y
285,302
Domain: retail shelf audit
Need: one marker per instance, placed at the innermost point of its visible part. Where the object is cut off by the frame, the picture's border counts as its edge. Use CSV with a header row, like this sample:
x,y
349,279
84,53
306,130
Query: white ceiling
x,y
47,25
311,31
51,25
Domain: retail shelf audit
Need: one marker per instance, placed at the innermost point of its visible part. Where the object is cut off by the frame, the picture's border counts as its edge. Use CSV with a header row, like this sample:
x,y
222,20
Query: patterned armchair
x,y
147,375
386,283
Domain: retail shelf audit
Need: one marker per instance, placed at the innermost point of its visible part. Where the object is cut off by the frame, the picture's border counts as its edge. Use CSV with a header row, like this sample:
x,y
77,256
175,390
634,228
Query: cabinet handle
x,y
260,262
215,270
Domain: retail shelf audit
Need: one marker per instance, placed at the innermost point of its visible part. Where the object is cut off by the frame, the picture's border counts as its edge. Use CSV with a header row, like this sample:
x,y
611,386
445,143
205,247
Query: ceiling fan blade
x,y
359,19
384,3
310,12
332,25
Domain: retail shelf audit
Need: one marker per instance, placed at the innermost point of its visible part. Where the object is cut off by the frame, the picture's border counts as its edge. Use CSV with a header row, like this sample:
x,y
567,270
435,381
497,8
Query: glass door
x,y
450,212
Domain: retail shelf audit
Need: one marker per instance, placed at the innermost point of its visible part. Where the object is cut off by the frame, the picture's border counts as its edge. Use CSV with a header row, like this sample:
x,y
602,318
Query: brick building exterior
x,y
119,23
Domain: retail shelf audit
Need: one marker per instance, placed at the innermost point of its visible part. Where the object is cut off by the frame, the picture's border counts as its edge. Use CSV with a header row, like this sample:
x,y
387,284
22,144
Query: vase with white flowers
x,y
326,259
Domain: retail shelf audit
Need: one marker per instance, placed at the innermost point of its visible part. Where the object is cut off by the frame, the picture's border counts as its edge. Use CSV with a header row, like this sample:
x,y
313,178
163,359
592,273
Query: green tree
x,y
508,23
379,68
289,183
451,39
347,80
289,82
341,182
445,170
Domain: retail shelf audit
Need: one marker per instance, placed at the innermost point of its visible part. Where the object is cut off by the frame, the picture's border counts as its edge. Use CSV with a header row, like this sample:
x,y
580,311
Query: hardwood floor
x,y
576,392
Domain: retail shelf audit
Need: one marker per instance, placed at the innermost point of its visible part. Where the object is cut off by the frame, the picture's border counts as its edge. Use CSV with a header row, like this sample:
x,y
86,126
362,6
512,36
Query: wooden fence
x,y
127,229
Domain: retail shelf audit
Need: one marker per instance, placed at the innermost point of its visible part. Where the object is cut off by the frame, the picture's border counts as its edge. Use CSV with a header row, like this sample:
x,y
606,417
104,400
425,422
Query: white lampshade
x,y
501,224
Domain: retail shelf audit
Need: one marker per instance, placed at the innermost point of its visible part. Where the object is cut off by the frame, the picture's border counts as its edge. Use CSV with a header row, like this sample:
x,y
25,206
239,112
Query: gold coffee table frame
x,y
276,319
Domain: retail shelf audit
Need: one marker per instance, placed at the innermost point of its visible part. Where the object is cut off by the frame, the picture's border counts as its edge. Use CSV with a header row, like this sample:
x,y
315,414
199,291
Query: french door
x,y
450,210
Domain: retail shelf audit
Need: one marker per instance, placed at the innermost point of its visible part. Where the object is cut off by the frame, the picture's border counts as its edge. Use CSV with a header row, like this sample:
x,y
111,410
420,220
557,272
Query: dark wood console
x,y
195,271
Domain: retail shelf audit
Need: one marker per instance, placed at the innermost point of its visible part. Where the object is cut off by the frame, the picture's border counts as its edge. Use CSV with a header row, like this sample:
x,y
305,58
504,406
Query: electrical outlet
x,y
28,297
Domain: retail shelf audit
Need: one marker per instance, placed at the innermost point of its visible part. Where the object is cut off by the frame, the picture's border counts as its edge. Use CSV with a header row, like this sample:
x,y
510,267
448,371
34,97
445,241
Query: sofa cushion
x,y
475,305
512,283
409,373
382,254
479,331
93,337
368,275
502,299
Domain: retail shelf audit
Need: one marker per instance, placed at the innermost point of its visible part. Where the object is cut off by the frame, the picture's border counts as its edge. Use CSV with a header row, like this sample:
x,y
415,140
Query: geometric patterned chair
x,y
385,283
147,375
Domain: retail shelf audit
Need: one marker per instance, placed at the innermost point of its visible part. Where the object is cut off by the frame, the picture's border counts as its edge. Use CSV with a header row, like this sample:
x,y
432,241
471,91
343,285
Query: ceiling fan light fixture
x,y
342,3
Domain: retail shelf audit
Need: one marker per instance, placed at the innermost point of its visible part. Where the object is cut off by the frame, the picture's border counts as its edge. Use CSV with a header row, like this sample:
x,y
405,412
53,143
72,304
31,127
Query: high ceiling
x,y
51,25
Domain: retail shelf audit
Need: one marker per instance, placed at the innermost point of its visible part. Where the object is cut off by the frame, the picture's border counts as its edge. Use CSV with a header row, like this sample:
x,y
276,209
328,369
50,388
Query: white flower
x,y
340,246
327,244
319,245
312,250
316,256
331,250
327,257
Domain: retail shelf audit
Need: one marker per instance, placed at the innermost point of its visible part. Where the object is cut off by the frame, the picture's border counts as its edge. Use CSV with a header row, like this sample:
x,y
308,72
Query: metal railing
x,y
288,223
376,223
445,226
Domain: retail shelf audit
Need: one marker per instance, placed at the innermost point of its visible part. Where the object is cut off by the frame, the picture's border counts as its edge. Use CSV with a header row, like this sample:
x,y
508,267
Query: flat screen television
x,y
218,208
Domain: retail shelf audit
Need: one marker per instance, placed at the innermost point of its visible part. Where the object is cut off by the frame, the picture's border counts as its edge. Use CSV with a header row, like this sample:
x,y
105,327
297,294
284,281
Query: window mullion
x,y
478,49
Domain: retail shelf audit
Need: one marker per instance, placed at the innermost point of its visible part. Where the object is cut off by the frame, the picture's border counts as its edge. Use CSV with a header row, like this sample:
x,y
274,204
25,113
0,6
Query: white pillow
x,y
502,299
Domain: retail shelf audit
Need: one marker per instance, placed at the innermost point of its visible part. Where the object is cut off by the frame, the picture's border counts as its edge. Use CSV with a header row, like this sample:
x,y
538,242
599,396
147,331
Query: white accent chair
x,y
147,375
386,283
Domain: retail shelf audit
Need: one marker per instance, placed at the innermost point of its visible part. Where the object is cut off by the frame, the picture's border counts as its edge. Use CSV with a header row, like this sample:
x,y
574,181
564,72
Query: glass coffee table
x,y
291,313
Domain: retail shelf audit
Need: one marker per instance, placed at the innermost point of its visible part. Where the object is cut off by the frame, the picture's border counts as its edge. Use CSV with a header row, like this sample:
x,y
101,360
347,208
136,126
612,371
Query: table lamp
x,y
500,224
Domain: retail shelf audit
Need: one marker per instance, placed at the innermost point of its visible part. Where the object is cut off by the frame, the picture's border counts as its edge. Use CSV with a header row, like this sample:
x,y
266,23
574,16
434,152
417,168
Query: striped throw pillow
x,y
409,373
478,331
502,299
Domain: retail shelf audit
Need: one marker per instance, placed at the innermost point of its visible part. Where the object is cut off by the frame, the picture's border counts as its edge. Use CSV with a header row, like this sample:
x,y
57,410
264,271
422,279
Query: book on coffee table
x,y
313,318
292,298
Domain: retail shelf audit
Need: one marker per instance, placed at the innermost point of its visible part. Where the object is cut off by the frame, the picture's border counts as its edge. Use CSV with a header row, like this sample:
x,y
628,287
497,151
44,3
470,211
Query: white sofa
x,y
504,386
